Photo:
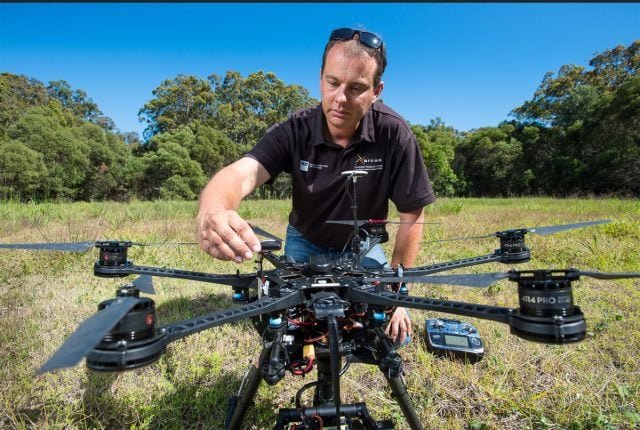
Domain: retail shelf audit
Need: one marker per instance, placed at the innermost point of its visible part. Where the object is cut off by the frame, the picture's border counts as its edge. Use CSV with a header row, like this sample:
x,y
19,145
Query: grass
x,y
44,296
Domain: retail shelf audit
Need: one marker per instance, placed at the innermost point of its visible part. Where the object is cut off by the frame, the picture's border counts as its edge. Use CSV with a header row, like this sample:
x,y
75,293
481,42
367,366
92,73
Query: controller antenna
x,y
354,175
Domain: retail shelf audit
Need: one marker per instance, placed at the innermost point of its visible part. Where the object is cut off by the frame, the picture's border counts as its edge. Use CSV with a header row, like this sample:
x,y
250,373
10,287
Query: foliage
x,y
17,94
169,173
78,103
246,107
21,170
578,135
241,108
610,69
220,119
489,161
588,120
437,143
49,131
178,102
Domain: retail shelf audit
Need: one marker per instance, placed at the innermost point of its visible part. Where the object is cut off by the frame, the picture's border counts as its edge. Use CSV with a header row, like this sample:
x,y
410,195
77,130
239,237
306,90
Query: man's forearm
x,y
407,244
225,190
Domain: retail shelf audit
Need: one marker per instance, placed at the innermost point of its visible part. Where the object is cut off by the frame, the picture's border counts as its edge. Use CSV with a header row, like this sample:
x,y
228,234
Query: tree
x,y
437,144
610,69
169,172
79,104
587,123
108,154
22,170
489,161
212,149
178,102
610,143
613,67
245,108
17,95
47,130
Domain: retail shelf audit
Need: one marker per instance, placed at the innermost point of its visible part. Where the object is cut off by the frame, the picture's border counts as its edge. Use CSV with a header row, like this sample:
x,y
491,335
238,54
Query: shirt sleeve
x,y
273,150
410,185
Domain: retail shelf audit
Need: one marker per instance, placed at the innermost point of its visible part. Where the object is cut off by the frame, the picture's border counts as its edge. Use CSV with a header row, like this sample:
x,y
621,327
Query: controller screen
x,y
456,340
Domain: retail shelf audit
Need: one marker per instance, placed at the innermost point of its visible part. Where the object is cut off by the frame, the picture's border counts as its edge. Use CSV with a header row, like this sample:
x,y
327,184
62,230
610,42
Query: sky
x,y
468,64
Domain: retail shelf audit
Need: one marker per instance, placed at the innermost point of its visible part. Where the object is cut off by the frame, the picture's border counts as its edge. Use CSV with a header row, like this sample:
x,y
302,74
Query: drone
x,y
324,314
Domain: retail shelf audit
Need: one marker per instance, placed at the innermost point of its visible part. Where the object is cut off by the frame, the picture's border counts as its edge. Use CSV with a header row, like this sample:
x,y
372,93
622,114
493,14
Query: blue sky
x,y
467,63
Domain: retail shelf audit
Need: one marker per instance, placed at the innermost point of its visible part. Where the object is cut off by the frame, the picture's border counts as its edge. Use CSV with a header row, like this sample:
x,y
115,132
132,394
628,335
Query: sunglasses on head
x,y
366,38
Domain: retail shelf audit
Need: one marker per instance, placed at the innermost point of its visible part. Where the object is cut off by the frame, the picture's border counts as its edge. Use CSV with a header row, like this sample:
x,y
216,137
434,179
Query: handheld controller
x,y
454,338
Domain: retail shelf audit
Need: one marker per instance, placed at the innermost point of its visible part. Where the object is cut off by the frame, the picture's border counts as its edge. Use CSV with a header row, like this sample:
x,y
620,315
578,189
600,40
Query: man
x,y
349,130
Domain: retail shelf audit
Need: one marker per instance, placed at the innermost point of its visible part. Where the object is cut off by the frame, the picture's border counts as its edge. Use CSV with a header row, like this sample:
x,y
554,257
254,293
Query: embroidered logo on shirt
x,y
305,166
368,164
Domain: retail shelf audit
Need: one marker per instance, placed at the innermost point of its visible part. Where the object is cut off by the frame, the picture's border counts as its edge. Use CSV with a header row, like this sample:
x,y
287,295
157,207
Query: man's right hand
x,y
223,234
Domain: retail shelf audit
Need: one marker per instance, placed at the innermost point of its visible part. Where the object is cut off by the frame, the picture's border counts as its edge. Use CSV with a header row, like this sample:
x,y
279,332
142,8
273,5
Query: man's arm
x,y
407,245
221,231
405,252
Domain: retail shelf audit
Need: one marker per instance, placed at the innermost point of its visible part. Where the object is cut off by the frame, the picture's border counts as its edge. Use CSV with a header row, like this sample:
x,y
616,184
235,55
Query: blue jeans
x,y
300,249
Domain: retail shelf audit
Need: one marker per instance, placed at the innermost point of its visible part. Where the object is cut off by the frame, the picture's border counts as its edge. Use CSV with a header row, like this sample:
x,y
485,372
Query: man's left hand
x,y
399,326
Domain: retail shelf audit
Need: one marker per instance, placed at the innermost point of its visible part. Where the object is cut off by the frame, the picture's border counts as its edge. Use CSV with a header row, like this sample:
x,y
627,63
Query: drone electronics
x,y
323,314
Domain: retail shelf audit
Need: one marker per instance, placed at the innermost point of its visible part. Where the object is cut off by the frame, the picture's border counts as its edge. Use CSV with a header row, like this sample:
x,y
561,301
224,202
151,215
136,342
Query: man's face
x,y
346,88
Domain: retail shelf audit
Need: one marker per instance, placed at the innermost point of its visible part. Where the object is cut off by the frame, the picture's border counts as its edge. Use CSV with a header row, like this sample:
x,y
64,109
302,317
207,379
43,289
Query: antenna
x,y
354,175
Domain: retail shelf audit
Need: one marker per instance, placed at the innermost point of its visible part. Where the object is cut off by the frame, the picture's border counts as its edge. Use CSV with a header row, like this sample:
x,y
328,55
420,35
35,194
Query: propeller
x,y
76,246
362,222
543,231
60,246
85,246
483,280
89,334
144,283
264,233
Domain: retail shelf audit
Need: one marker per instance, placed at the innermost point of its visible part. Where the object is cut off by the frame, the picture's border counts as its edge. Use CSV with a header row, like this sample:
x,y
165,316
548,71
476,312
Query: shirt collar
x,y
365,131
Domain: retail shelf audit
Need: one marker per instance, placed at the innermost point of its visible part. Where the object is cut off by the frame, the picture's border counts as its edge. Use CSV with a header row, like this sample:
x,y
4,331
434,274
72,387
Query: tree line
x,y
578,135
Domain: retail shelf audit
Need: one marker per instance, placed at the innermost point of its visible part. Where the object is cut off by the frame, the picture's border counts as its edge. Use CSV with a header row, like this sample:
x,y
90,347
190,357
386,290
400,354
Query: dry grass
x,y
519,384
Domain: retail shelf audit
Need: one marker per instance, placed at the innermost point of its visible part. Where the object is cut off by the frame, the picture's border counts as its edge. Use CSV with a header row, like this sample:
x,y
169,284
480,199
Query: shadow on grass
x,y
187,406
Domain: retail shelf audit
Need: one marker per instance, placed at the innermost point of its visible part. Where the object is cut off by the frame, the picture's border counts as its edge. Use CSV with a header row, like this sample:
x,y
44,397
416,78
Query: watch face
x,y
453,340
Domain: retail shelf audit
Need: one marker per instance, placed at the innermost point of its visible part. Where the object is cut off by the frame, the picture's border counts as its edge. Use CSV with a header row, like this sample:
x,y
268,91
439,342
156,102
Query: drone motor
x,y
547,312
113,254
133,342
378,230
512,247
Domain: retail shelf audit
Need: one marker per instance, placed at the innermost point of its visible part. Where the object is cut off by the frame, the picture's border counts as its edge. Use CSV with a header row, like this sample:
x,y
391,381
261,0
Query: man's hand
x,y
405,252
399,326
223,234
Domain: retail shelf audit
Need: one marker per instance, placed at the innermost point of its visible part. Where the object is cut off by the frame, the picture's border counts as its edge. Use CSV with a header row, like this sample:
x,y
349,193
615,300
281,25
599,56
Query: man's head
x,y
370,44
350,79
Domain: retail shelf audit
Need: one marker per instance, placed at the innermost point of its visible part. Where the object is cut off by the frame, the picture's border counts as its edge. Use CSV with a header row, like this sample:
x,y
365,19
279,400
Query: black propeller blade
x,y
466,280
76,246
558,228
483,280
264,233
85,246
89,334
62,246
362,222
543,231
144,283
610,275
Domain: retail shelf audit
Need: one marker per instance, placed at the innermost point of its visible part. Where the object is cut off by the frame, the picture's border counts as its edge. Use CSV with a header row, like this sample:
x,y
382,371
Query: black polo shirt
x,y
383,145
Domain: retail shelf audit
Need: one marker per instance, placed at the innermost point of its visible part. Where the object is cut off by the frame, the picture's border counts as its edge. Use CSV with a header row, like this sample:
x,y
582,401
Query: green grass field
x,y
44,296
